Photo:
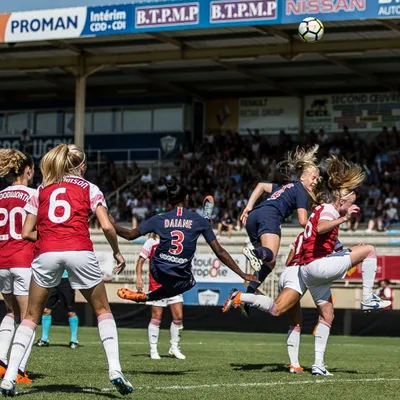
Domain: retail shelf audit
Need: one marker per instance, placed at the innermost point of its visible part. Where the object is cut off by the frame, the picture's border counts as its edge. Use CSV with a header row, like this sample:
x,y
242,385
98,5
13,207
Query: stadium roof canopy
x,y
262,60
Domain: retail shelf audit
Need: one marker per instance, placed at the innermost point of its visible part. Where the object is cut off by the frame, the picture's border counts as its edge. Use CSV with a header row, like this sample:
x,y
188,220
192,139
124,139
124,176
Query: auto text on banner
x,y
363,112
269,115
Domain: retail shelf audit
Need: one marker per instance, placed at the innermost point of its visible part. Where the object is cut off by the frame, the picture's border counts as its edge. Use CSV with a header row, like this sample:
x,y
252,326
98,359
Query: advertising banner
x,y
82,20
388,268
269,114
363,112
206,267
210,294
138,16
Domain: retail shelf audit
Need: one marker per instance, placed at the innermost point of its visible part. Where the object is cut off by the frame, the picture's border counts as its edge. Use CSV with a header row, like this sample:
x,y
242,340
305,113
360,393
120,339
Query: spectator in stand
x,y
392,198
385,292
374,194
146,177
377,217
391,215
225,225
26,142
354,222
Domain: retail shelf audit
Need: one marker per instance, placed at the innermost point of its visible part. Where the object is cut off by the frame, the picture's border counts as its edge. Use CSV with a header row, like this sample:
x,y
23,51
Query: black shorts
x,y
62,293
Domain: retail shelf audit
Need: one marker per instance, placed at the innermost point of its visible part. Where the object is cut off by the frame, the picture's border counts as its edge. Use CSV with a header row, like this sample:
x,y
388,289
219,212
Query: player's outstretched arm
x,y
29,231
111,236
260,189
226,258
139,274
128,234
325,226
302,216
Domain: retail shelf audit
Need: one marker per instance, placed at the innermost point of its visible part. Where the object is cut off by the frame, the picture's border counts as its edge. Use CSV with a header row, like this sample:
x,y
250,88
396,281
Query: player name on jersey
x,y
15,194
178,223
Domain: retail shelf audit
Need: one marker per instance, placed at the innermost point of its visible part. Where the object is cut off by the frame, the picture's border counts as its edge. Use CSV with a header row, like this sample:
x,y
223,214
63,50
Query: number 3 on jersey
x,y
54,203
180,237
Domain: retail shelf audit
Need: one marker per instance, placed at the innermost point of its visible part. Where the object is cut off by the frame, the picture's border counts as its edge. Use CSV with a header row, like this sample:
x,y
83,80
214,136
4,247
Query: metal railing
x,y
120,156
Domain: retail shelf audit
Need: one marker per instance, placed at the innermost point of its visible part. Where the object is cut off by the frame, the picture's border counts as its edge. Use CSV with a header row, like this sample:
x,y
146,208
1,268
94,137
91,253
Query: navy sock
x,y
261,275
264,253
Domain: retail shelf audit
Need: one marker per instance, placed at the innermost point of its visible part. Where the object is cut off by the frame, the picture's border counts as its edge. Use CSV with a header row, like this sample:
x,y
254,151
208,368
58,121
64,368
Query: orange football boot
x,y
23,378
232,301
3,369
296,370
128,294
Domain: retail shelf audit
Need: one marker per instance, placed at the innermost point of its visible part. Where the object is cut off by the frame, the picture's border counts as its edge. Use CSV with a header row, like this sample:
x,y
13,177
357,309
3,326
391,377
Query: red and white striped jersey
x,y
14,251
147,252
317,245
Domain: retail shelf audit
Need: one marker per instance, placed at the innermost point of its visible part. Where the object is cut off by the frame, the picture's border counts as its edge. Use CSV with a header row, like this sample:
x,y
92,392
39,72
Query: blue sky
x,y
24,5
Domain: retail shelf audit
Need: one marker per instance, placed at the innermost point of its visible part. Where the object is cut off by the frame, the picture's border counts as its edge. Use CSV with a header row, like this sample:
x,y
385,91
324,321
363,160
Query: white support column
x,y
80,102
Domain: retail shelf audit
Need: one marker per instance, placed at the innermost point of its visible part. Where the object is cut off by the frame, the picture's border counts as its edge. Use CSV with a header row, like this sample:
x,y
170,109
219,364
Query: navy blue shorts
x,y
263,220
174,285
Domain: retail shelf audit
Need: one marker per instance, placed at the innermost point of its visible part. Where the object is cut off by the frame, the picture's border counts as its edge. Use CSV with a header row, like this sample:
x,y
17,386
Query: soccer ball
x,y
311,30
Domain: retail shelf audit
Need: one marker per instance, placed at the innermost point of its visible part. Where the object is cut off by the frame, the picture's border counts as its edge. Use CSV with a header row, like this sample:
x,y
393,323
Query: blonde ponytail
x,y
343,177
299,161
13,162
61,161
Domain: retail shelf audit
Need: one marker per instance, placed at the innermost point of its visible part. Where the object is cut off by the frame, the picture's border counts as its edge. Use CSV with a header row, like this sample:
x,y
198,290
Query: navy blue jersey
x,y
179,230
287,198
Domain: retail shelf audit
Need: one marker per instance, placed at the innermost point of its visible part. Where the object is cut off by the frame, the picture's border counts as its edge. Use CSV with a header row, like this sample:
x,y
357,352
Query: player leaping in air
x,y
171,264
264,222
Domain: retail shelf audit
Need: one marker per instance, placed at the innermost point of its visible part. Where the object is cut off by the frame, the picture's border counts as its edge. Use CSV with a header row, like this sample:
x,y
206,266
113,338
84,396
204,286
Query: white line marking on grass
x,y
316,381
266,384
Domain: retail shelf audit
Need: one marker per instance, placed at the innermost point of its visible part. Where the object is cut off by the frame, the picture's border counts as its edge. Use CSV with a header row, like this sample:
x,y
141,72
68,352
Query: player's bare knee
x,y
71,314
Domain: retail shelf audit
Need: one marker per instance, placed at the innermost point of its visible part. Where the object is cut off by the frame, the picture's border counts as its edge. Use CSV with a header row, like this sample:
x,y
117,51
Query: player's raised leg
x,y
366,254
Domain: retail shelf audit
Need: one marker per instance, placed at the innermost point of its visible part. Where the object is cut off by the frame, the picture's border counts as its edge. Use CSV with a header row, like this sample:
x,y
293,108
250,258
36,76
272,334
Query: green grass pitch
x,y
218,366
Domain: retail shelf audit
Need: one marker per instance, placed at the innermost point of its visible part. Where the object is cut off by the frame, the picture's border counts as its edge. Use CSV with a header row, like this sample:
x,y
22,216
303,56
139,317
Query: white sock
x,y
176,329
109,338
369,266
22,339
263,303
154,332
24,361
7,330
321,340
293,343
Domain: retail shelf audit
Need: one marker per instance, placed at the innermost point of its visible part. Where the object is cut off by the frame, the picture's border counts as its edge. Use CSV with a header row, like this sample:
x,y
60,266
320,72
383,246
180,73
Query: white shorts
x,y
166,302
83,269
15,281
291,278
319,274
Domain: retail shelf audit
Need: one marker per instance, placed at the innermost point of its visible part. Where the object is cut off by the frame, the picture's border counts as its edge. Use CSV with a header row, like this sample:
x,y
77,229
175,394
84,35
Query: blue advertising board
x,y
163,15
